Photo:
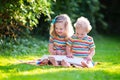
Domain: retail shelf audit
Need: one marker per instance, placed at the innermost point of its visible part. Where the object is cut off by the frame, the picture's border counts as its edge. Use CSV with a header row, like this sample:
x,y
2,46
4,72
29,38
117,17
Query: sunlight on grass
x,y
107,53
44,71
25,70
109,66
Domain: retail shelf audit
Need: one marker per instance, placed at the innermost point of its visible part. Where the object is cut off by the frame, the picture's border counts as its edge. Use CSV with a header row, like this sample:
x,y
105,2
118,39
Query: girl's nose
x,y
58,30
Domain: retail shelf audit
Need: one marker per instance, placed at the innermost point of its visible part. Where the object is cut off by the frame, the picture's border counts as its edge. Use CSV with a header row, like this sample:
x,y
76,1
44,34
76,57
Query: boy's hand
x,y
63,53
88,59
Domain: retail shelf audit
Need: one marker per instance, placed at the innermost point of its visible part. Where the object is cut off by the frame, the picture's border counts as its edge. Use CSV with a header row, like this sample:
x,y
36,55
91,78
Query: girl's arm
x,y
51,49
68,50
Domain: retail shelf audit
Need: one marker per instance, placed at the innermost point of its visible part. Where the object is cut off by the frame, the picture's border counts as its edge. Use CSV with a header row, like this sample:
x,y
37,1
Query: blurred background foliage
x,y
28,18
19,17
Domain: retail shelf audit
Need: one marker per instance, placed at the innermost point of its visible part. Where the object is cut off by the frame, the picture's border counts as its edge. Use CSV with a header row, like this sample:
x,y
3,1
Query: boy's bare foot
x,y
53,61
97,63
65,64
84,64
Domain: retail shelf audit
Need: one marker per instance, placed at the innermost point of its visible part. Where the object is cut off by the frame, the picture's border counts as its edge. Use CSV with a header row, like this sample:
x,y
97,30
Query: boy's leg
x,y
87,64
84,64
65,63
76,66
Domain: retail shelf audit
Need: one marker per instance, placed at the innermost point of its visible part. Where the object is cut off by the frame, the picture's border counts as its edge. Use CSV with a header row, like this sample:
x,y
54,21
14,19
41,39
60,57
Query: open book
x,y
74,60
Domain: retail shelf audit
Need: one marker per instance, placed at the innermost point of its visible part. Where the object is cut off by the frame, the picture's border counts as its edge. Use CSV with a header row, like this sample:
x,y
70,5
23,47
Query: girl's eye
x,y
61,29
55,28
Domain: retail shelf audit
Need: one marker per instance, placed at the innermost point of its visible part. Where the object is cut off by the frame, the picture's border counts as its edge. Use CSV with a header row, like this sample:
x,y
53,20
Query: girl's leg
x,y
53,61
37,62
43,62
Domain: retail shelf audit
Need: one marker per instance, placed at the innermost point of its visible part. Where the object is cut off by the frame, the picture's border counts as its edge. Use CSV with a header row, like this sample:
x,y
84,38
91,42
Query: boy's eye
x,y
82,34
77,33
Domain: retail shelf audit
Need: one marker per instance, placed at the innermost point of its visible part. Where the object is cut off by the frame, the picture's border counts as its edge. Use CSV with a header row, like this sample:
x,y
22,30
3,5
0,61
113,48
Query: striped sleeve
x,y
91,43
69,42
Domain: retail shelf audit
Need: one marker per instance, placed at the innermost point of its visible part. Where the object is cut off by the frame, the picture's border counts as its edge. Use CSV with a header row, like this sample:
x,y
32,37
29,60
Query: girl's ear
x,y
75,34
66,23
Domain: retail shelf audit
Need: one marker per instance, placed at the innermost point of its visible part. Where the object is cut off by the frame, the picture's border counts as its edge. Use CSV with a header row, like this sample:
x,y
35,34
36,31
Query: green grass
x,y
107,53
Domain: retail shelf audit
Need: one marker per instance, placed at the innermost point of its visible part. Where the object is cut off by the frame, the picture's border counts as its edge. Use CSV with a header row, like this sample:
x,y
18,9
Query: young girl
x,y
80,44
61,29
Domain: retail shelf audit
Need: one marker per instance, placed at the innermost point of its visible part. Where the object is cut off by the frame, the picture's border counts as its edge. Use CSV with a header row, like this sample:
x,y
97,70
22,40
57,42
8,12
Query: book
x,y
74,60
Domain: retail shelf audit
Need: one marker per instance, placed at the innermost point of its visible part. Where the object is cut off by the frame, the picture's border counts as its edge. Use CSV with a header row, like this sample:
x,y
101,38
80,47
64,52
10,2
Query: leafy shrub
x,y
24,46
20,16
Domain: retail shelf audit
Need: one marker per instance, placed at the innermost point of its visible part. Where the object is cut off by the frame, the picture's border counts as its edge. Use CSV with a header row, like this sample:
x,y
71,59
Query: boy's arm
x,y
92,49
92,53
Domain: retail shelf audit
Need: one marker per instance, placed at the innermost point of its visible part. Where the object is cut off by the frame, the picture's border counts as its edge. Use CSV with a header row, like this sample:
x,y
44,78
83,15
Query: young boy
x,y
80,44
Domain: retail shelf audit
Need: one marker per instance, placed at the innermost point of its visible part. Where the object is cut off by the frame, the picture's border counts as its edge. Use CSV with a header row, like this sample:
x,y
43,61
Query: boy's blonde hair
x,y
83,22
62,18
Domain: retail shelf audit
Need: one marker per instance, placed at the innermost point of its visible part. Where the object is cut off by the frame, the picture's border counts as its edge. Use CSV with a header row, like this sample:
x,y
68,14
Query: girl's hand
x,y
58,52
69,55
54,52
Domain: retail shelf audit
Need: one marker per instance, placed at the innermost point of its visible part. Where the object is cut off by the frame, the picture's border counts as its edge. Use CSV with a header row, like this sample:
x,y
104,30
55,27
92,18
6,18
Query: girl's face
x,y
81,33
60,29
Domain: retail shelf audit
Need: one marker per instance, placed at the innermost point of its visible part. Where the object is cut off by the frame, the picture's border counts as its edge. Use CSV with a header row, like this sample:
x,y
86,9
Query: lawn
x,y
107,53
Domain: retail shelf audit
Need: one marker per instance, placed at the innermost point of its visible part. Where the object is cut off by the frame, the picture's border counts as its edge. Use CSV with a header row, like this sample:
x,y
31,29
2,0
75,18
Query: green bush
x,y
24,46
20,16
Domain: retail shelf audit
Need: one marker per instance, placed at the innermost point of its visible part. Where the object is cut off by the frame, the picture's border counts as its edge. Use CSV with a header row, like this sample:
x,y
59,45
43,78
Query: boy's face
x,y
81,33
60,29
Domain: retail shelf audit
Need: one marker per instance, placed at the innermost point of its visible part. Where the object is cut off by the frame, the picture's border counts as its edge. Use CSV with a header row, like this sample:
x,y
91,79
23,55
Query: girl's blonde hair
x,y
62,18
83,22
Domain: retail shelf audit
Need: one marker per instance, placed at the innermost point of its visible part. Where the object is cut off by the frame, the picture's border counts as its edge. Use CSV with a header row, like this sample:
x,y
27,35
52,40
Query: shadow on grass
x,y
67,74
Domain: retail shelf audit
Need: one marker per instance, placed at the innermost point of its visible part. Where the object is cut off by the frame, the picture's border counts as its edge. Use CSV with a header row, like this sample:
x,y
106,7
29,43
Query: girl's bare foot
x,y
28,62
53,61
65,64
43,62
